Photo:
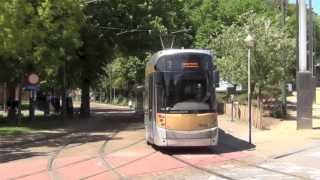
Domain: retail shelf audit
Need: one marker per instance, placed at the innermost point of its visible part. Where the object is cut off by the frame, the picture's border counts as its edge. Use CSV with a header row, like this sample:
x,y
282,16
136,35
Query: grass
x,y
26,127
13,131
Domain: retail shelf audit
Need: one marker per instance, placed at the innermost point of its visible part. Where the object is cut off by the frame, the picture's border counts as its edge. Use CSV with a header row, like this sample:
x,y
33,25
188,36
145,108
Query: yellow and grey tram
x,y
180,99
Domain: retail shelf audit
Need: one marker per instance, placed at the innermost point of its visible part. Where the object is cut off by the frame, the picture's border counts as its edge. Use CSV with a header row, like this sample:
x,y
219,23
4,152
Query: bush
x,y
122,101
276,111
222,97
241,98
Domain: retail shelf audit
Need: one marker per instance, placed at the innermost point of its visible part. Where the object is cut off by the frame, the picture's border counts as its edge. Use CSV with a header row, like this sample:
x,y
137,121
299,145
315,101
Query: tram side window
x,y
146,97
160,92
150,92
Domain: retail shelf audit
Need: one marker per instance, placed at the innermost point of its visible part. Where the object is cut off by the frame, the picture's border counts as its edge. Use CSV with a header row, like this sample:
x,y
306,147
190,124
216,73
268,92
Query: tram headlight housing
x,y
161,120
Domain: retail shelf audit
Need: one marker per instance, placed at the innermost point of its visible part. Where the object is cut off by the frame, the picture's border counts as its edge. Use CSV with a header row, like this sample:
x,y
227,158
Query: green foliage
x,y
273,55
17,24
276,111
242,98
37,36
141,23
13,131
127,71
110,40
209,17
60,22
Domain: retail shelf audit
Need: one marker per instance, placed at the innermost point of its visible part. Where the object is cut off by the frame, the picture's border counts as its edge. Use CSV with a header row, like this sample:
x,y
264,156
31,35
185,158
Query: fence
x,y
240,112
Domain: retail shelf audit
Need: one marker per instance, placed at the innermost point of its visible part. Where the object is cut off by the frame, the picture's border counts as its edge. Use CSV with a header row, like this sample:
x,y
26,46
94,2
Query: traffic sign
x,y
31,88
33,79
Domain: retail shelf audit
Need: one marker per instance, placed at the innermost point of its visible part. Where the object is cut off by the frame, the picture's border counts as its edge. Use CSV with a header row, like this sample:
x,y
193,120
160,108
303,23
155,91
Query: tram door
x,y
151,109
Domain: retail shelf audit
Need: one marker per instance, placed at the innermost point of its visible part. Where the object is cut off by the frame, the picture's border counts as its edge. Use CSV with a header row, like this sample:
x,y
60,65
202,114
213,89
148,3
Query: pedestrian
x,y
130,104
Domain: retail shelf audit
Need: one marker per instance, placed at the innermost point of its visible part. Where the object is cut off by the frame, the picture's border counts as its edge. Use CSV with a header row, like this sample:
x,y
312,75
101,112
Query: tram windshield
x,y
185,92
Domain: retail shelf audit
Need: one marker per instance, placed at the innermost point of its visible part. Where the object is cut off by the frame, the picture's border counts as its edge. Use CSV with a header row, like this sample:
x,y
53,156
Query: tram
x,y
180,99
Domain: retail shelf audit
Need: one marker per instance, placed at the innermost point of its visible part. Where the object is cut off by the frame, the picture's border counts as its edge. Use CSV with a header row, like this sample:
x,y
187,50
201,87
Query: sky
x,y
315,4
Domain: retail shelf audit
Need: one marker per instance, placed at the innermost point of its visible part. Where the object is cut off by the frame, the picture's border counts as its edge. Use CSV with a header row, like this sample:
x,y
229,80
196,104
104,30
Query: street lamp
x,y
250,41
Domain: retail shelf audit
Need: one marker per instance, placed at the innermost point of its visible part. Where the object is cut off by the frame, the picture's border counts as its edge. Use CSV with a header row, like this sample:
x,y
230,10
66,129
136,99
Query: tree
x,y
17,24
209,17
60,23
269,67
133,29
93,55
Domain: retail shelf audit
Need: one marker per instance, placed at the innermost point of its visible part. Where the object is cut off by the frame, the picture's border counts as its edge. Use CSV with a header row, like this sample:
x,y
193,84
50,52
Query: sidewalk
x,y
281,139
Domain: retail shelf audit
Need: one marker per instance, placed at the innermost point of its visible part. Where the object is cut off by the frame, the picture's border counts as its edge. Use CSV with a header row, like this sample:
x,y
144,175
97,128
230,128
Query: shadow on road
x,y
80,131
227,144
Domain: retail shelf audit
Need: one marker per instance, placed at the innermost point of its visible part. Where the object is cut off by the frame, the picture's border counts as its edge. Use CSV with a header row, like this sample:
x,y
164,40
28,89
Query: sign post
x,y
32,85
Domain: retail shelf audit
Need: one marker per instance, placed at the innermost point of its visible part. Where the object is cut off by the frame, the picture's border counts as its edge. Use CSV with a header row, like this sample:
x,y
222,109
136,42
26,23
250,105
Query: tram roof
x,y
155,57
166,52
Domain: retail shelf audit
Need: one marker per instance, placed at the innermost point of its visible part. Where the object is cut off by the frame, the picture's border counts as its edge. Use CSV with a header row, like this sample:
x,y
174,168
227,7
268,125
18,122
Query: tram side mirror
x,y
216,78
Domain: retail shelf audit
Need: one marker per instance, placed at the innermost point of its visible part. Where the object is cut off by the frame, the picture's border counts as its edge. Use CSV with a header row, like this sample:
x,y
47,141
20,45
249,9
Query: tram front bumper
x,y
208,137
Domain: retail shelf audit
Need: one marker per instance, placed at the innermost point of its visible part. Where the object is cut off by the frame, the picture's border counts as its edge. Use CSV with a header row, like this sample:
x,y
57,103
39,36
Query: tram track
x,y
26,144
220,175
102,154
76,162
202,169
53,174
120,166
35,141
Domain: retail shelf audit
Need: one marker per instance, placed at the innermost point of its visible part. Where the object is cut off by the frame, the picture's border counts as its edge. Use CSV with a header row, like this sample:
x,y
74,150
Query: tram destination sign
x,y
188,61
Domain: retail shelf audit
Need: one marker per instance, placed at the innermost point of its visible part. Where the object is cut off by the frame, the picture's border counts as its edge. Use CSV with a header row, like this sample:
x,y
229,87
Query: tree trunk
x,y
32,106
260,108
20,104
259,99
11,103
85,99
5,90
63,103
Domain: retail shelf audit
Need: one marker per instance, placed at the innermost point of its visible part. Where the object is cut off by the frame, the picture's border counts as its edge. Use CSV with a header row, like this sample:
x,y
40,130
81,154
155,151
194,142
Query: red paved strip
x,y
134,161
138,161
128,155
40,176
71,160
79,170
15,169
105,176
154,163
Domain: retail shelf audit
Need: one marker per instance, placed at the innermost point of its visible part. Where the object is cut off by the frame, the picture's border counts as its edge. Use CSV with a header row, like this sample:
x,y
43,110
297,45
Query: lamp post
x,y
304,75
250,43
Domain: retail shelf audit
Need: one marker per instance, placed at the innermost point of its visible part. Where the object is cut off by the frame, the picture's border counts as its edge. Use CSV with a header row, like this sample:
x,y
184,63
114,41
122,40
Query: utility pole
x,y
311,37
311,50
4,96
110,97
250,41
304,76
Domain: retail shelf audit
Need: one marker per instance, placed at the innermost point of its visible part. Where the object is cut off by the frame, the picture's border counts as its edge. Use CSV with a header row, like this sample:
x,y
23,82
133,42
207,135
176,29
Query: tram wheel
x,y
148,143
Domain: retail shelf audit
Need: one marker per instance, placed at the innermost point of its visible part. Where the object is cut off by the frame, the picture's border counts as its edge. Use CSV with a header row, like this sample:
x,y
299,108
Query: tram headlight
x,y
161,120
